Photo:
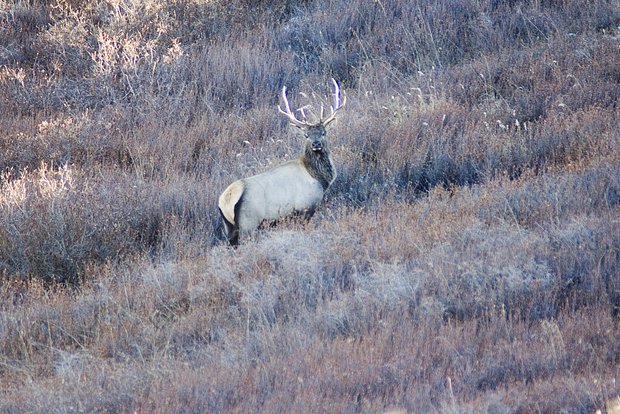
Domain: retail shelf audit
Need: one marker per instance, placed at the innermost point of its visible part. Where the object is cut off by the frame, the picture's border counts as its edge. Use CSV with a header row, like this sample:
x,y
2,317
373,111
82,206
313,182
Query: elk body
x,y
295,187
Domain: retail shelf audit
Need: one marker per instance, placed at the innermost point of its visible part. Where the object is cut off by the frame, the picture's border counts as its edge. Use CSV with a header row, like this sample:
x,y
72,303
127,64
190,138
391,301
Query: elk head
x,y
314,131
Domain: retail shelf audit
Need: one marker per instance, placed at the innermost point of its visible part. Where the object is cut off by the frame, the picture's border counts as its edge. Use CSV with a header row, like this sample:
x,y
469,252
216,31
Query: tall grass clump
x,y
55,222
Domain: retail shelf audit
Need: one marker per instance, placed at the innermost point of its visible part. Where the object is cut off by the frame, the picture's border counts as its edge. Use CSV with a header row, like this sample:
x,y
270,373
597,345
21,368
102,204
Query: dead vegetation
x,y
466,259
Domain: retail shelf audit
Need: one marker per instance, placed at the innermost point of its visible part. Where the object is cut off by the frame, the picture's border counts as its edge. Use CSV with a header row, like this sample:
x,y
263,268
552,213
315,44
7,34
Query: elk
x,y
293,188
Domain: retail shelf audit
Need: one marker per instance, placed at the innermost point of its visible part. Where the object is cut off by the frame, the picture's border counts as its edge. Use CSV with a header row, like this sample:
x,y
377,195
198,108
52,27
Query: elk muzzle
x,y
317,146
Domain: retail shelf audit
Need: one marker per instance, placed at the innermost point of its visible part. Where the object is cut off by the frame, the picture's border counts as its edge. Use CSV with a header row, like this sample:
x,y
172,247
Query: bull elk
x,y
295,187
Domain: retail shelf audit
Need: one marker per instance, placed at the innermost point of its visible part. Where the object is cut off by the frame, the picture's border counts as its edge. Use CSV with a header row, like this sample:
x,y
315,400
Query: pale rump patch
x,y
229,199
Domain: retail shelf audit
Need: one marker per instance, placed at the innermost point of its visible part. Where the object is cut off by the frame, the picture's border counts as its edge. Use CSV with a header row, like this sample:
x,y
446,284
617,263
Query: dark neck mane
x,y
320,166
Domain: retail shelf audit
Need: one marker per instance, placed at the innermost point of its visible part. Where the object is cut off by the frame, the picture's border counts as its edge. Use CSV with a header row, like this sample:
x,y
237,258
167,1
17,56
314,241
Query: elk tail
x,y
229,203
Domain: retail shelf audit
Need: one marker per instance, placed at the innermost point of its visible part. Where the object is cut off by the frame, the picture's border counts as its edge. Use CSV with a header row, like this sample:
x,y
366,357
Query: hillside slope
x,y
467,258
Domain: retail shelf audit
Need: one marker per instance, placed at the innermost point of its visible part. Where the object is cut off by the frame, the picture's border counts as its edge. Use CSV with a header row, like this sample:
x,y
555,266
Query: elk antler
x,y
291,117
336,106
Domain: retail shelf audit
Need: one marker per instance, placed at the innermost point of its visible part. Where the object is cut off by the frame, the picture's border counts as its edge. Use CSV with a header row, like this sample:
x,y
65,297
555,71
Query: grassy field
x,y
466,260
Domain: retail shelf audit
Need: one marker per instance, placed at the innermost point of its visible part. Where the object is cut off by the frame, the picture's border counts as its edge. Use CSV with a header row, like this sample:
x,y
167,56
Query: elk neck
x,y
319,164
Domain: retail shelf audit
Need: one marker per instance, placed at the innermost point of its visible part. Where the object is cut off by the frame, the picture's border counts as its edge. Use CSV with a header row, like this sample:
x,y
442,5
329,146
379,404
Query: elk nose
x,y
317,145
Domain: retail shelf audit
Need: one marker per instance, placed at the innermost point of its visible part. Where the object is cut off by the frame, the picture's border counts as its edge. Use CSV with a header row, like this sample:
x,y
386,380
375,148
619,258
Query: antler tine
x,y
288,113
337,105
336,95
288,108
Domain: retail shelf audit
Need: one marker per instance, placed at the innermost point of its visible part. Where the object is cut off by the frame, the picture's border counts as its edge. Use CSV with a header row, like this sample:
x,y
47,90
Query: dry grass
x,y
467,259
